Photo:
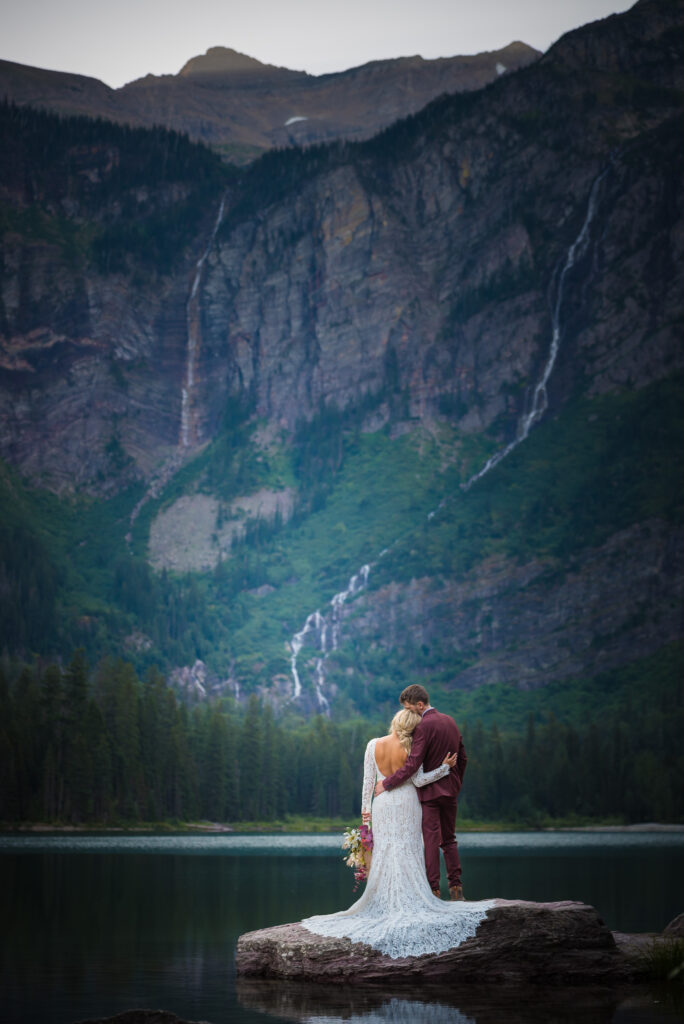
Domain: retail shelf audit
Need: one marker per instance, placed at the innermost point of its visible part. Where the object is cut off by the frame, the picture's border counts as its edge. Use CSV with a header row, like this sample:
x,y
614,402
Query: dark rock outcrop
x,y
675,929
578,971
517,942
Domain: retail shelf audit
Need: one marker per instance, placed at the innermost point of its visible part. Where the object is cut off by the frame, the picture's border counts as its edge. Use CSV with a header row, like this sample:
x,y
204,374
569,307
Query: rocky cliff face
x,y
73,414
90,369
535,623
426,261
432,256
93,306
432,274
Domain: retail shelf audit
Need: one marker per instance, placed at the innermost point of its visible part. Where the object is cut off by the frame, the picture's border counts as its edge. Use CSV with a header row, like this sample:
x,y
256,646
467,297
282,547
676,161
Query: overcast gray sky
x,y
119,40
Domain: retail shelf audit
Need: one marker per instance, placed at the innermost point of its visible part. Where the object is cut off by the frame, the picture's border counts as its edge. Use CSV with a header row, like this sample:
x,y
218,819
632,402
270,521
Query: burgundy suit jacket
x,y
435,736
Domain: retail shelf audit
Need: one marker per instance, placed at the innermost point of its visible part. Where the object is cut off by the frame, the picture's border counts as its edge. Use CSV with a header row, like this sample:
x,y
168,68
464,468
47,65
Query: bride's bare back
x,y
389,754
397,914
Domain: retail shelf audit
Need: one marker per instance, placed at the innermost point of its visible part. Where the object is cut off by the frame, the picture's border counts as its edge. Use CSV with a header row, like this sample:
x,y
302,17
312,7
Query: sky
x,y
127,39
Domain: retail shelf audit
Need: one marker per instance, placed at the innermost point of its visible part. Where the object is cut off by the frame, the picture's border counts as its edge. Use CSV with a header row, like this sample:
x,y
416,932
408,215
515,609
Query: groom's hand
x,y
379,788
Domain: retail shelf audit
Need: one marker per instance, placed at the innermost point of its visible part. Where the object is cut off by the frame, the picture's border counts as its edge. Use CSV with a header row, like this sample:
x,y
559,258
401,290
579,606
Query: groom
x,y
435,735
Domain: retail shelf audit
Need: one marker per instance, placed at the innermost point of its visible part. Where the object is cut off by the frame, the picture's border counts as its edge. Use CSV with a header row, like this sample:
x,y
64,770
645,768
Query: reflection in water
x,y
471,1004
92,927
404,1011
433,1004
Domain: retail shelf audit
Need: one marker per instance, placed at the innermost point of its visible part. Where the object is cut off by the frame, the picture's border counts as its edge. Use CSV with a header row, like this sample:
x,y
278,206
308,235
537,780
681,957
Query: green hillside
x,y
224,392
591,471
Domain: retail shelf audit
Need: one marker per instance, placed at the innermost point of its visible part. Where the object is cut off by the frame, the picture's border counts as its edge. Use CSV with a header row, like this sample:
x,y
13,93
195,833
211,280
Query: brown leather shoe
x,y
456,893
437,893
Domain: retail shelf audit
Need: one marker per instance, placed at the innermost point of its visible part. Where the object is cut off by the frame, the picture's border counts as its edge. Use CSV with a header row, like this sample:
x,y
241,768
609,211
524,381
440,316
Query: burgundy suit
x,y
435,736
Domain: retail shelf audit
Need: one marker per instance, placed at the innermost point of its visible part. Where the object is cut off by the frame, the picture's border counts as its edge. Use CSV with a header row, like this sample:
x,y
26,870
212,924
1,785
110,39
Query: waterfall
x,y
326,630
296,643
540,399
188,425
357,583
188,432
326,634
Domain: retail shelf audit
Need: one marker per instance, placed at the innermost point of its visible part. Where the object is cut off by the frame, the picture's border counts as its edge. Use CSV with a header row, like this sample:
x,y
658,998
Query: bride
x,y
397,913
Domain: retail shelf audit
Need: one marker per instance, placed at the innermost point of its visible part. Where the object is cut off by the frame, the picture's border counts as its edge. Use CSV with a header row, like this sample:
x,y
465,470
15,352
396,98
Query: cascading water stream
x,y
327,633
187,433
188,425
540,398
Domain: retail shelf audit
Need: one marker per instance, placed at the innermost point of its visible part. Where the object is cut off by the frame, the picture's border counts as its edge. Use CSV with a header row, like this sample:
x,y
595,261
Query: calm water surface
x,y
94,924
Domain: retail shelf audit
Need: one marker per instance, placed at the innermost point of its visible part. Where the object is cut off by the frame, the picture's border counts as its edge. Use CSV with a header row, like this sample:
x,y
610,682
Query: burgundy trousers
x,y
439,826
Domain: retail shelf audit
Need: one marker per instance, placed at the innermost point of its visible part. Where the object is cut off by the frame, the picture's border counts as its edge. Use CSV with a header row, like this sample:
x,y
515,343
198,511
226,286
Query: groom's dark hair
x,y
414,693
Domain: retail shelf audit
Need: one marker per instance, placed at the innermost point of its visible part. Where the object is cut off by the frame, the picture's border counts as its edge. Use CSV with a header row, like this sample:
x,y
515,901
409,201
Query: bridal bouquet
x,y
359,842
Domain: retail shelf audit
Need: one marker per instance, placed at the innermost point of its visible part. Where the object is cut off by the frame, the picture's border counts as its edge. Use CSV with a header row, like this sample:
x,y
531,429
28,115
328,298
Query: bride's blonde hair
x,y
403,724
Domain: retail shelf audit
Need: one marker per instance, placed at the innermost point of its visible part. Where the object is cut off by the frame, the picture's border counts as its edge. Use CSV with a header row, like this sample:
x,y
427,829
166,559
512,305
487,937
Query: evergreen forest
x,y
116,750
413,288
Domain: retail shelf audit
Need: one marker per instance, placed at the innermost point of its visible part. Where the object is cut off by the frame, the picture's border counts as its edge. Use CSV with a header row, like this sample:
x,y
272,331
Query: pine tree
x,y
102,780
250,760
118,697
158,716
346,785
214,767
185,787
269,783
26,743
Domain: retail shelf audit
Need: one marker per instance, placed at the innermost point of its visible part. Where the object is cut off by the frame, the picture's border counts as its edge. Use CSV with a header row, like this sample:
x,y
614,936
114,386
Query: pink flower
x,y
366,833
358,842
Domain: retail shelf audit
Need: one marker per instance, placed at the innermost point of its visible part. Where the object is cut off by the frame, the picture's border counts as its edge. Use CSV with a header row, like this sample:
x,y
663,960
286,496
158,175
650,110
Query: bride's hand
x,y
365,817
451,760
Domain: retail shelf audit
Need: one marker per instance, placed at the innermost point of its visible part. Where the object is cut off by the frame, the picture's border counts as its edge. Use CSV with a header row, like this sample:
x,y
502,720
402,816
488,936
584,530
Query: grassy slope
x,y
597,467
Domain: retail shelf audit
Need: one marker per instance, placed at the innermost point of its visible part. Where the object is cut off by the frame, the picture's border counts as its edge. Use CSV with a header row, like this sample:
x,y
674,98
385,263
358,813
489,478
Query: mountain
x,y
362,413
242,107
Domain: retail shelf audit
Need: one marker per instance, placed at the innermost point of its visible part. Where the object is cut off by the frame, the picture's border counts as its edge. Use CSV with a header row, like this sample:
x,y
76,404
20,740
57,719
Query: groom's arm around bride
x,y
435,735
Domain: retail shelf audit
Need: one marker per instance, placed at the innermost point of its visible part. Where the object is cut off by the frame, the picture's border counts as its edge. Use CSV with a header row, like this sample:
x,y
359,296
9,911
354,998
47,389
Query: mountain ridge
x,y
224,60
235,109
370,323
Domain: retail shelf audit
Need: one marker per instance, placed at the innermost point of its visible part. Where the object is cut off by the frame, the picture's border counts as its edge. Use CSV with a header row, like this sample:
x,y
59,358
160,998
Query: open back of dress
x,y
397,913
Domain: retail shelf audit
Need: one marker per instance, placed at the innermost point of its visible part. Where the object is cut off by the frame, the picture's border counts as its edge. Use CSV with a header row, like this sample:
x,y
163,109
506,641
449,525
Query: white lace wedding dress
x,y
397,913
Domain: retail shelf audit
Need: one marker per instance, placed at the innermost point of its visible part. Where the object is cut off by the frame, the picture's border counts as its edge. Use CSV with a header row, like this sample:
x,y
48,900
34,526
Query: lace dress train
x,y
397,913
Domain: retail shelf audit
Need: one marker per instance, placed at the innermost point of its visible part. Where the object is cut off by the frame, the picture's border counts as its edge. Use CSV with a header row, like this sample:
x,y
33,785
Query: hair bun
x,y
403,724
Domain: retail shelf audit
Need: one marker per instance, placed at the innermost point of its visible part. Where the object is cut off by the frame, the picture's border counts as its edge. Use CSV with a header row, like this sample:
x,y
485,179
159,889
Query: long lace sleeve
x,y
369,775
422,778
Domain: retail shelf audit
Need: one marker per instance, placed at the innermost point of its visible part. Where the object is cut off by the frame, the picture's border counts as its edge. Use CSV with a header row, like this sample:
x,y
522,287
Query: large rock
x,y
675,929
517,942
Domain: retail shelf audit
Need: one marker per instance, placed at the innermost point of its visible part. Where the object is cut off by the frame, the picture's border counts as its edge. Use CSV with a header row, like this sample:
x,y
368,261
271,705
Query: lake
x,y
97,924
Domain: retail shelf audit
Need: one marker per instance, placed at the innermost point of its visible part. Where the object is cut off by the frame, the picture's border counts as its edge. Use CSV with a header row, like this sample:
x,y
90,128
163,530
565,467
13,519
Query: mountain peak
x,y
222,60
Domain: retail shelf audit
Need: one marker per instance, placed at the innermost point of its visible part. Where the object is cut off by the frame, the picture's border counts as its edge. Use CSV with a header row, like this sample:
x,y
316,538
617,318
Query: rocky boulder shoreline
x,y
519,942
528,962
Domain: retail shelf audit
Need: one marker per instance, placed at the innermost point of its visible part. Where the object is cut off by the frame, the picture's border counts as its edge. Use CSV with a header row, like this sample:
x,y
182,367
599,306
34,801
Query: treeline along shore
x,y
82,747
